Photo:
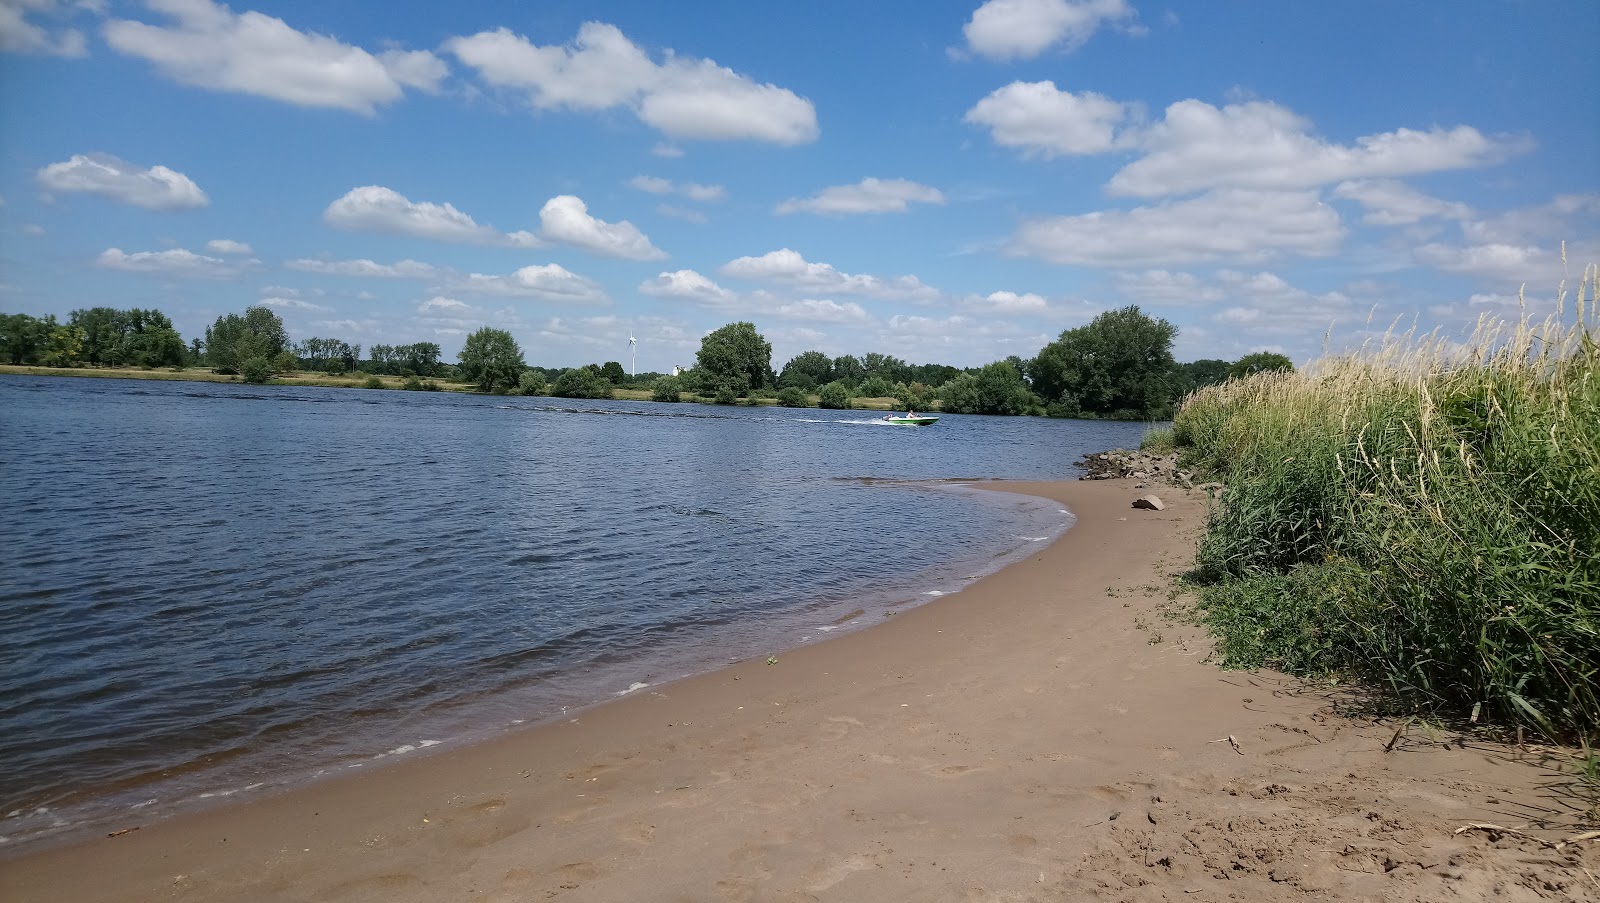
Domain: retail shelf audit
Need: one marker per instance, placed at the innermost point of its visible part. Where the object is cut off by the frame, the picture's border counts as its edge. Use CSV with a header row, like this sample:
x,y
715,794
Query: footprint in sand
x,y
838,727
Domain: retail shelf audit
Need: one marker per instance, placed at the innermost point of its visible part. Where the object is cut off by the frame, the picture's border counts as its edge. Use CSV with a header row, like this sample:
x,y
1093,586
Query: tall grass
x,y
1423,514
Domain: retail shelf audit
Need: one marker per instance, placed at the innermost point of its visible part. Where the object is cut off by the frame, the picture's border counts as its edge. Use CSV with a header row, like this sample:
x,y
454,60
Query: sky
x,y
947,182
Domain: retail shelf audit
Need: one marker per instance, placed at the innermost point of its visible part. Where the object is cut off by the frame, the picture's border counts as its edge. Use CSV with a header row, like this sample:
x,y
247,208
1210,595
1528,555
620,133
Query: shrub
x,y
726,395
256,370
1424,516
581,382
834,396
413,384
531,382
373,382
667,388
792,397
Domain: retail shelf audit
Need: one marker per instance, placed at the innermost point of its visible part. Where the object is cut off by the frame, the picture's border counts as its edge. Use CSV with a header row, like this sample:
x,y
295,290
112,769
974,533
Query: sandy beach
x,y
1046,734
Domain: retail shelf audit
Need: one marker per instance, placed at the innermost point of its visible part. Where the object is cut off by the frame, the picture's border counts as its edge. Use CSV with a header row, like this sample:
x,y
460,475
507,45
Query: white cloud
x,y
279,302
18,35
687,285
1393,203
1021,29
652,184
1231,223
374,208
446,306
789,267
1262,145
1012,303
175,262
683,97
820,311
694,191
683,213
156,188
550,282
1501,264
210,46
403,269
667,150
868,196
566,219
1167,287
228,246
1047,122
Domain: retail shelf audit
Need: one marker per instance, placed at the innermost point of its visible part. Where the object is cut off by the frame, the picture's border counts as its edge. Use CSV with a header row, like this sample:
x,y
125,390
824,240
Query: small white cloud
x,y
566,219
1394,203
652,184
374,208
156,188
1228,224
286,303
550,282
683,213
1045,121
18,35
683,97
403,269
1022,29
442,305
212,47
868,196
228,246
821,311
1167,287
1013,303
667,150
174,262
789,267
688,285
691,190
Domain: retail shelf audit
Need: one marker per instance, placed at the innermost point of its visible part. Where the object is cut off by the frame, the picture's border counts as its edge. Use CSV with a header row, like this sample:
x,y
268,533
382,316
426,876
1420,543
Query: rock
x,y
1151,502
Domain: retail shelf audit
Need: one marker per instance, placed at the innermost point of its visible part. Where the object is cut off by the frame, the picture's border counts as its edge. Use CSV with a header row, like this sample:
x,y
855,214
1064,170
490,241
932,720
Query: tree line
x,y
1118,366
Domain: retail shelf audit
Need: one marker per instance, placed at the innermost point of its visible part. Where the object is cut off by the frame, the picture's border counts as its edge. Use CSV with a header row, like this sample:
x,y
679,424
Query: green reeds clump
x,y
1423,514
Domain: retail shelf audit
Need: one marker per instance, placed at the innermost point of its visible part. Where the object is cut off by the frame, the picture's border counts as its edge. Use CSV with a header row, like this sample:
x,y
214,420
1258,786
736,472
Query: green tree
x,y
23,338
807,370
63,346
667,388
849,370
997,388
792,397
735,357
491,359
1202,373
531,382
234,339
835,396
255,369
1259,362
613,372
1119,364
113,337
581,382
875,386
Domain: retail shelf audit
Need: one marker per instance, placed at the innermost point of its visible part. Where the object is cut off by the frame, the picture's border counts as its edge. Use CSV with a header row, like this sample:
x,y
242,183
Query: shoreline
x,y
1039,733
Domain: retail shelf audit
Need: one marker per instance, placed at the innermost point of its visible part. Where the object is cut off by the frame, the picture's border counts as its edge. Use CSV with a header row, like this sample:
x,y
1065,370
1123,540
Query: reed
x,y
1423,514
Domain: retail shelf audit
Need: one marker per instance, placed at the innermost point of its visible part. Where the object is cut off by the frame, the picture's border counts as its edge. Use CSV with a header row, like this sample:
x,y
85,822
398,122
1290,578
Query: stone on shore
x,y
1152,502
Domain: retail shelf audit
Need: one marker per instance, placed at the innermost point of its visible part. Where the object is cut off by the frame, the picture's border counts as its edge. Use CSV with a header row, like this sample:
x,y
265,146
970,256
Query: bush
x,y
792,397
726,395
667,388
834,396
373,382
256,370
876,387
1423,516
531,382
581,382
413,384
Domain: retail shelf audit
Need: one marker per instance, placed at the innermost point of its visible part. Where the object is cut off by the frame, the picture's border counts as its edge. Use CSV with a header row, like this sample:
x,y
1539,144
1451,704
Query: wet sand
x,y
1046,734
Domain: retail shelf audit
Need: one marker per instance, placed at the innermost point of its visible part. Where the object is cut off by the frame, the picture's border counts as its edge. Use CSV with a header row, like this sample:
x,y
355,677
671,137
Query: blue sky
x,y
949,182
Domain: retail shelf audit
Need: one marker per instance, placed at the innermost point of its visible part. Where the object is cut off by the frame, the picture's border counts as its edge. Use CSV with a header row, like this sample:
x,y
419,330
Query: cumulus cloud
x,y
177,262
820,311
549,282
1044,121
18,35
1393,203
1012,303
210,46
1167,288
374,208
403,269
1231,223
281,302
156,188
687,285
228,246
682,97
789,267
868,196
566,219
1506,265
1022,29
1262,145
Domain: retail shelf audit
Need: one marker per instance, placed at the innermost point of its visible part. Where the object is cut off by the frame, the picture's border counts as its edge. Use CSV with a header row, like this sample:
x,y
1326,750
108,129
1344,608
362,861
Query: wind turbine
x,y
633,348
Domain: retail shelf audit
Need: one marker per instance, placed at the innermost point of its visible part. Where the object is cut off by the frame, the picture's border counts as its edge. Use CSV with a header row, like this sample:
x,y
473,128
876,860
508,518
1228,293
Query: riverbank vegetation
x,y
1120,366
1423,515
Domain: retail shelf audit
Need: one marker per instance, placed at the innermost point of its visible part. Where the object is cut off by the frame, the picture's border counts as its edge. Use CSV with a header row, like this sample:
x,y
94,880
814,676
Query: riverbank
x,y
1044,734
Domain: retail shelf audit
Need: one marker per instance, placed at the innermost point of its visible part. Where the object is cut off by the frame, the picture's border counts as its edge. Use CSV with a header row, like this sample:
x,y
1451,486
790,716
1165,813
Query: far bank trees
x,y
491,359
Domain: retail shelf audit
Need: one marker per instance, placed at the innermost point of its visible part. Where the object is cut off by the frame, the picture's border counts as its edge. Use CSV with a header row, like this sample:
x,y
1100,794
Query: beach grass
x,y
1423,515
